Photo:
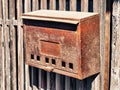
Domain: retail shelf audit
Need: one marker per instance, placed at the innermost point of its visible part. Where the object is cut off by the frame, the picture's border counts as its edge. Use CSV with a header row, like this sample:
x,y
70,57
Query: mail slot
x,y
64,42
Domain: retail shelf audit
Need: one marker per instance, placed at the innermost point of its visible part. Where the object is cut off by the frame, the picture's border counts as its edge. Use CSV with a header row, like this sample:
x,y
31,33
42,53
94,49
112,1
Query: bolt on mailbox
x,y
64,42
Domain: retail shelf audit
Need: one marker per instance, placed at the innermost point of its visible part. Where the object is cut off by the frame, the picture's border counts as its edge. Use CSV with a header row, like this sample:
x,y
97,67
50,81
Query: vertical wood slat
x,y
115,47
2,76
62,4
52,4
27,5
107,44
96,6
27,73
73,4
96,83
67,83
43,4
12,45
33,78
58,84
35,5
48,80
102,40
84,5
6,45
20,47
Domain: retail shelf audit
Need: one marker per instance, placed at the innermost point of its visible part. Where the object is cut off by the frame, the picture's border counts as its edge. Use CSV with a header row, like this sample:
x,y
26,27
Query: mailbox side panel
x,y
90,46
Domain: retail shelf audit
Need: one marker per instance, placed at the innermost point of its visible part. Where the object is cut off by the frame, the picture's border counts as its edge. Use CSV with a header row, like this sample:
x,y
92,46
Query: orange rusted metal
x,y
62,44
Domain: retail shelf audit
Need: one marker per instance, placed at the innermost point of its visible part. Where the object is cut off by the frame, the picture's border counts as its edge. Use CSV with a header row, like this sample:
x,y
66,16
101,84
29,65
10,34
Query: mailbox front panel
x,y
51,47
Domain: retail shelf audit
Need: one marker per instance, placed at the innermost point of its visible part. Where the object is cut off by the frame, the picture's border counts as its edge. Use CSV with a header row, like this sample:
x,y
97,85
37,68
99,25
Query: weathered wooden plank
x,y
39,79
84,5
34,80
27,69
73,4
96,82
2,69
115,50
58,84
2,75
62,4
52,4
20,47
102,40
6,45
67,83
107,44
35,5
12,45
96,5
48,80
43,4
27,5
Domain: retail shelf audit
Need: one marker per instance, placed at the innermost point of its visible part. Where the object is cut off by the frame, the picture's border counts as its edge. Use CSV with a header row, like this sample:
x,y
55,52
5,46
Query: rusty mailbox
x,y
64,42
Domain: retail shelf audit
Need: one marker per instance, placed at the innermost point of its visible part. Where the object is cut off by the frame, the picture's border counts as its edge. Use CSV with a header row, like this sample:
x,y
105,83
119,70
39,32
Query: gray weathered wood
x,y
67,83
48,80
35,5
84,5
6,45
62,5
27,73
73,4
43,4
2,72
58,84
20,47
115,59
102,40
13,45
52,4
96,5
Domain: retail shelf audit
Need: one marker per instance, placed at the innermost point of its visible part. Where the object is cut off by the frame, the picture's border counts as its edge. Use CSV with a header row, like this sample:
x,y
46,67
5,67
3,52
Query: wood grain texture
x,y
27,69
107,45
102,40
43,4
6,45
20,47
27,5
52,4
73,4
62,5
2,69
13,45
35,5
84,5
58,83
115,59
96,6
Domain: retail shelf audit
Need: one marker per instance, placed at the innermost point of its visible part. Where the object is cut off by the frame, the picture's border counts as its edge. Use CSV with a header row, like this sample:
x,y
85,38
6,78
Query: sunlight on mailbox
x,y
64,42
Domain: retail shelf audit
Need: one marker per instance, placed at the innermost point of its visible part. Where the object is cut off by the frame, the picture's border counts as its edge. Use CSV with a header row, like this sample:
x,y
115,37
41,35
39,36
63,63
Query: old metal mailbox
x,y
65,42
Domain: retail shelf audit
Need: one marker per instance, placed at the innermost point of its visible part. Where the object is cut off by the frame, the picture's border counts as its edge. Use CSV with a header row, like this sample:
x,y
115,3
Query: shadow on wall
x,y
41,80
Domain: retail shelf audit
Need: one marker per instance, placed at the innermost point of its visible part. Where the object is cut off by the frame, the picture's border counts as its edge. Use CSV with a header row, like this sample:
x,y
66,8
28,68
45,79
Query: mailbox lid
x,y
59,16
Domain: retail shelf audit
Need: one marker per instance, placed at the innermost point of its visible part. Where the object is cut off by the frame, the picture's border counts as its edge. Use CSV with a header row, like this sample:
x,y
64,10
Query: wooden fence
x,y
15,75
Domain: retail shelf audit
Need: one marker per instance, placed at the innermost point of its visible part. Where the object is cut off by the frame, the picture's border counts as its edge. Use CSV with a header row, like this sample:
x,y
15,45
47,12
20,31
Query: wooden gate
x,y
15,75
